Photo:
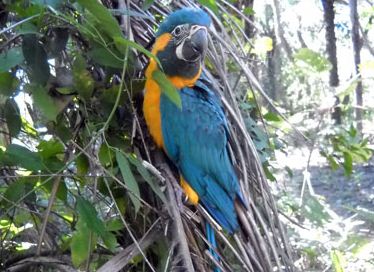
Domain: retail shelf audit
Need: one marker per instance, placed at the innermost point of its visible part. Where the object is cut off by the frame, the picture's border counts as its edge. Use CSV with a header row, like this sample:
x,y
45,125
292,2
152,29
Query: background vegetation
x,y
83,187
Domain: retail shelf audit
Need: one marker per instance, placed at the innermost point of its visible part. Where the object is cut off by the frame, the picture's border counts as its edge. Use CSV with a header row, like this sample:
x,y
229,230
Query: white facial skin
x,y
184,38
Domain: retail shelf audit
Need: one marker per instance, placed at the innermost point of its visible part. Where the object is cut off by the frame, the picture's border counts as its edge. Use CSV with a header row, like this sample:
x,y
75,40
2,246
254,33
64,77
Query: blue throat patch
x,y
184,16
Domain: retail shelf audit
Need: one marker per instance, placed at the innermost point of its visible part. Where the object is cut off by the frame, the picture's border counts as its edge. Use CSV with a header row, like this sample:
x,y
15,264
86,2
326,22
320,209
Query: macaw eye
x,y
177,31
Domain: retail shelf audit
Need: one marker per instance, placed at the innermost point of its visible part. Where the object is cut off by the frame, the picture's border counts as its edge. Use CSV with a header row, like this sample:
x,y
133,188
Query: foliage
x,y
71,78
74,152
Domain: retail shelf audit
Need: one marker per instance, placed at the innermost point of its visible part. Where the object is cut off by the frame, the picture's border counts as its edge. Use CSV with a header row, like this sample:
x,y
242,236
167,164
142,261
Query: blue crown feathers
x,y
184,16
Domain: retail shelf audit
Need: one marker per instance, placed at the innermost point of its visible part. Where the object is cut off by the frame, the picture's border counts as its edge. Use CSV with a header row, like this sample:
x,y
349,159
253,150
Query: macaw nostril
x,y
196,47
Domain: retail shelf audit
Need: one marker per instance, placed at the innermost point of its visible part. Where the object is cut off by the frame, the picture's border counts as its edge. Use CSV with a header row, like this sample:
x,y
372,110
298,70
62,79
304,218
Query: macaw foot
x,y
192,196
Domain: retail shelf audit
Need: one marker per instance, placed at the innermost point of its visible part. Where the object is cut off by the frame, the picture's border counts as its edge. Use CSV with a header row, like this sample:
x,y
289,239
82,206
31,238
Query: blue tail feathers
x,y
212,240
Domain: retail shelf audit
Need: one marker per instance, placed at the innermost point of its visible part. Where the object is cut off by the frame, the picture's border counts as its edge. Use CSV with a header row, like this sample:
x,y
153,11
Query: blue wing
x,y
196,139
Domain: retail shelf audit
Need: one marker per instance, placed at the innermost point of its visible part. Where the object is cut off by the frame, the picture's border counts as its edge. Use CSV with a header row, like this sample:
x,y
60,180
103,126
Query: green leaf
x,y
167,87
8,83
52,3
89,216
122,45
248,11
27,28
50,148
271,116
108,23
82,165
36,58
314,209
12,117
10,59
211,4
83,81
348,163
109,240
44,102
129,180
13,193
21,156
332,161
62,190
337,259
114,225
313,59
147,4
103,57
105,155
80,247
148,178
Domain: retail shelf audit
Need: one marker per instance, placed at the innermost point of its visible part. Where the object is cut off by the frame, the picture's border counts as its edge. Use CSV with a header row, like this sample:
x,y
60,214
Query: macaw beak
x,y
196,44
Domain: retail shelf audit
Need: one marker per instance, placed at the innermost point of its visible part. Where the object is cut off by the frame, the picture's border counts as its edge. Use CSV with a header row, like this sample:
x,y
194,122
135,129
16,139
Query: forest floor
x,y
339,221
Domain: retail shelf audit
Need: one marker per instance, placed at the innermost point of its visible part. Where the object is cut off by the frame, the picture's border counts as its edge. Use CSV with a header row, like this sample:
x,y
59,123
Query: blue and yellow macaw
x,y
194,137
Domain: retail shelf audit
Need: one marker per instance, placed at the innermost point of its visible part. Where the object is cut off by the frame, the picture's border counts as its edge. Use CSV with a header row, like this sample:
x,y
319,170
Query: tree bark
x,y
279,29
357,44
329,15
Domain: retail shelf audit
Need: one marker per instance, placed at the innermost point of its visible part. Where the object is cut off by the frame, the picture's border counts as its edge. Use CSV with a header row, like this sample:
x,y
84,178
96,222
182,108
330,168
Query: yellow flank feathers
x,y
151,104
193,198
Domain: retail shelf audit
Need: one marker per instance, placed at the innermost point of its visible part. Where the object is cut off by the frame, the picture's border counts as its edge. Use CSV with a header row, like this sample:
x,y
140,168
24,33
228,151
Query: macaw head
x,y
186,35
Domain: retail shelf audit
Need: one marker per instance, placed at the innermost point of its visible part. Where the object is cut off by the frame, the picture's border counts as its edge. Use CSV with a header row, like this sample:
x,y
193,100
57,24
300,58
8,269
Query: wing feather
x,y
196,139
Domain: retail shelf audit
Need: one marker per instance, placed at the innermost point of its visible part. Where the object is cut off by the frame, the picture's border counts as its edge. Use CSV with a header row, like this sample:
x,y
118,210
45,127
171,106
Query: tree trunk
x,y
279,29
356,42
329,15
270,81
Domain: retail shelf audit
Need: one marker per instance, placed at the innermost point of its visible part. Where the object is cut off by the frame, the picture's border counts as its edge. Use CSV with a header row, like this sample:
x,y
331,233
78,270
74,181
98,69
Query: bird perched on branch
x,y
195,135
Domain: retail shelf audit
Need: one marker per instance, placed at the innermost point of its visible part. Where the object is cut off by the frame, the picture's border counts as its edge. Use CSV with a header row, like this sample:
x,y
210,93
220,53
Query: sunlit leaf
x,y
313,59
271,116
263,45
337,260
167,87
248,11
348,163
129,179
314,209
